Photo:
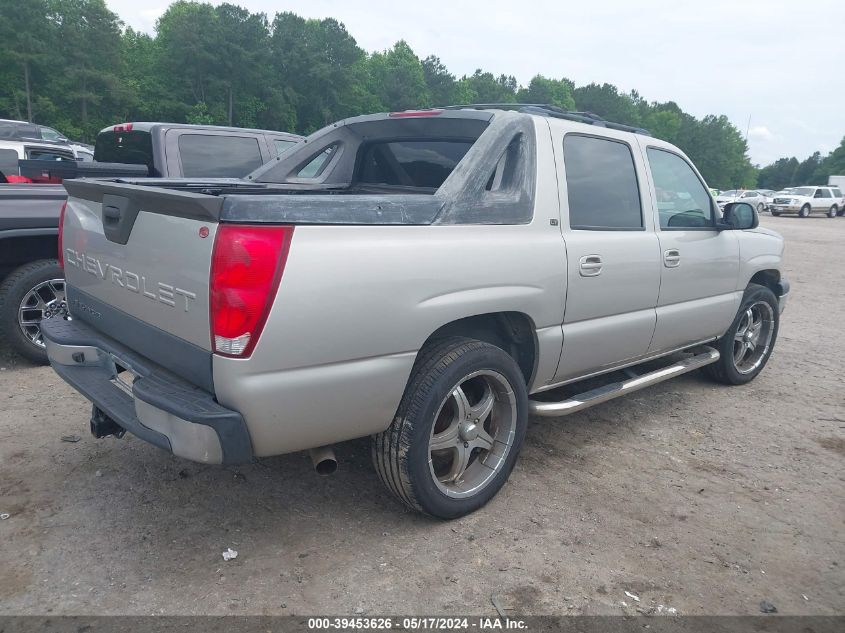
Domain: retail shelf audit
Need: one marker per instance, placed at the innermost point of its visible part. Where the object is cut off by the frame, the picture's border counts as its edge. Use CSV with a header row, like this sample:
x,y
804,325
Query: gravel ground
x,y
701,498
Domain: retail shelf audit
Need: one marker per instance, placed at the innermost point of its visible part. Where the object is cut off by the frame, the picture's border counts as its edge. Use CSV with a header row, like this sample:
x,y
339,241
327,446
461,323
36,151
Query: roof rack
x,y
545,109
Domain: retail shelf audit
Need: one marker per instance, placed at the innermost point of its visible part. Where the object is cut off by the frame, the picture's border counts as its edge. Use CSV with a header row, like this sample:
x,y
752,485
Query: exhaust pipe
x,y
325,463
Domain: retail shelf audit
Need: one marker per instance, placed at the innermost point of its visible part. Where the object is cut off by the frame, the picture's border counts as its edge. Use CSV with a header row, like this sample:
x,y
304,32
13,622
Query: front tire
x,y
761,207
747,345
29,294
458,429
776,213
832,212
805,211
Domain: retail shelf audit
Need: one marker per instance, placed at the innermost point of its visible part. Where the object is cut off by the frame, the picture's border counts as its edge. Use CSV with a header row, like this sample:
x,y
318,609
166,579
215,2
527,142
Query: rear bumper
x,y
162,409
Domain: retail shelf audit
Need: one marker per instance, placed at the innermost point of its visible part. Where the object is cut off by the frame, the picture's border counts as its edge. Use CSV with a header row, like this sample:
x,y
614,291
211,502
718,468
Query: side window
x,y
217,156
837,193
749,194
315,167
282,145
818,194
682,200
602,184
826,193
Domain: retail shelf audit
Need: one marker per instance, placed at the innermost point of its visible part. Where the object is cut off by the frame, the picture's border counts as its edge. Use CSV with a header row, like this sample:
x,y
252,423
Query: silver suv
x,y
428,278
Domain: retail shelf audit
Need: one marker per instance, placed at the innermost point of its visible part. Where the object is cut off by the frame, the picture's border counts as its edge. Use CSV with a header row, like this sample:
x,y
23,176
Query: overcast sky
x,y
779,62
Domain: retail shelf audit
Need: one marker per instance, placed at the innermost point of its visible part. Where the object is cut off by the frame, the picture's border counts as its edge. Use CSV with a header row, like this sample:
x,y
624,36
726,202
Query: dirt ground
x,y
697,497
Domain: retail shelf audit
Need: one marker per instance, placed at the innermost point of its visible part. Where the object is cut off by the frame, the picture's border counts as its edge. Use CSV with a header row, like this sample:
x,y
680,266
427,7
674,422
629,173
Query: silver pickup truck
x,y
428,278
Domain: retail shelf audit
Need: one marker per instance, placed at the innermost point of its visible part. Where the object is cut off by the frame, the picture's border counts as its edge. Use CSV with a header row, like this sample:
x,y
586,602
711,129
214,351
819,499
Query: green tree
x,y
483,87
26,39
441,83
606,101
397,80
556,92
90,44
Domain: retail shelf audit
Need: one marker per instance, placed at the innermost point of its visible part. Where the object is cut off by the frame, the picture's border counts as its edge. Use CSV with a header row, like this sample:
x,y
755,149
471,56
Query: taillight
x,y
124,127
61,232
246,266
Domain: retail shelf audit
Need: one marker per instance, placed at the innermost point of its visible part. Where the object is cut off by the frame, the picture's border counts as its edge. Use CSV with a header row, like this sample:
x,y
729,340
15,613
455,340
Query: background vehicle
x,y
24,131
807,200
428,283
31,282
754,198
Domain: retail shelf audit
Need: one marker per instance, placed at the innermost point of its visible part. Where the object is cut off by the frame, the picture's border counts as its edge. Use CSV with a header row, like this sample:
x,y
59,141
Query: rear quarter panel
x,y
356,303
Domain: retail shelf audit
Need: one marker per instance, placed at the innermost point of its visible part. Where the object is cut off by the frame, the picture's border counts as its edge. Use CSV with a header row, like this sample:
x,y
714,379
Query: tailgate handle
x,y
111,213
119,214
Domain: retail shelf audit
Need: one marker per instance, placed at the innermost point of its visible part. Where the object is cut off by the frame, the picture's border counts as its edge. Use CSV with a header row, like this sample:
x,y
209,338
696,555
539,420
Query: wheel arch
x,y
22,246
514,332
770,278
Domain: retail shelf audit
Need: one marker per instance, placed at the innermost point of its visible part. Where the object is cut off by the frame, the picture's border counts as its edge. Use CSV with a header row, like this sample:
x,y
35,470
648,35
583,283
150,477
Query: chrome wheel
x,y
753,337
45,300
472,434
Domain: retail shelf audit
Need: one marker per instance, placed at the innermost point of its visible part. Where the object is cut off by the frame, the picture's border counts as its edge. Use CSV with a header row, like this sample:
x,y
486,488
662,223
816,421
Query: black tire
x,y
761,207
775,213
805,211
12,292
832,212
725,370
401,454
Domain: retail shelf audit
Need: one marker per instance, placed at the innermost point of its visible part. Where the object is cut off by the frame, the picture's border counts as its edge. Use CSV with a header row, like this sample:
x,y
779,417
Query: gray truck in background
x,y
31,282
427,278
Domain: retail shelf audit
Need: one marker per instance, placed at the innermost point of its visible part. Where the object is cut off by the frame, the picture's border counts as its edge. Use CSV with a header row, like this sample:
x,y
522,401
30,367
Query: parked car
x,y
13,130
807,200
429,284
31,281
754,198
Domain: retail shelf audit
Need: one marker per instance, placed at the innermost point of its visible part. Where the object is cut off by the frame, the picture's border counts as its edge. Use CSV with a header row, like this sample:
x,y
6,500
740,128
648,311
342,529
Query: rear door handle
x,y
672,258
590,265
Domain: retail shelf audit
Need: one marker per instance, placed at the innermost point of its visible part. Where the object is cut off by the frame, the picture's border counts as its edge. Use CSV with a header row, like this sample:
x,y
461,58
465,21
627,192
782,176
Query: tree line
x,y
71,64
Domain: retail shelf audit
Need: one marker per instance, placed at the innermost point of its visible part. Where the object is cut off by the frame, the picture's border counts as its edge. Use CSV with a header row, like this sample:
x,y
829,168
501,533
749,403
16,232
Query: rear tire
x,y
805,211
832,212
776,213
22,284
458,429
747,345
761,207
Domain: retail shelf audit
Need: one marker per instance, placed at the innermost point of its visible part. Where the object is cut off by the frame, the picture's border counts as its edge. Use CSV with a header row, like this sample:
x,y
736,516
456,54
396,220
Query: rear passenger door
x,y
214,153
612,254
699,264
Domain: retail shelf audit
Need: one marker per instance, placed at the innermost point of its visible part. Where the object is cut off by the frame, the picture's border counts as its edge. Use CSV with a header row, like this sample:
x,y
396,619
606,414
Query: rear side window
x,y
682,200
134,148
422,163
212,156
281,145
837,193
602,184
825,193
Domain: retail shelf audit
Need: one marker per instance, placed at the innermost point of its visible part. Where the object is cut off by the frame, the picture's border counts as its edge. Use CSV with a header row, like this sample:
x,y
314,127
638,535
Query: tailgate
x,y
137,262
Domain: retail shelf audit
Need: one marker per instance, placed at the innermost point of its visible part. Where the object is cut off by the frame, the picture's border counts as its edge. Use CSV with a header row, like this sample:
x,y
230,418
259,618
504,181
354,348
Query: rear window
x,y
410,163
217,156
37,153
134,148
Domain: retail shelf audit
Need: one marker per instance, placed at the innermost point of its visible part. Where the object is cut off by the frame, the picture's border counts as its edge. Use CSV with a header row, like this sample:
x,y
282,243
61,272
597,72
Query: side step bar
x,y
616,389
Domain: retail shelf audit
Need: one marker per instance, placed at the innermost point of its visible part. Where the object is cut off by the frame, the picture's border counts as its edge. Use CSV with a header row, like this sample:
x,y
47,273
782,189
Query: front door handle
x,y
672,258
590,265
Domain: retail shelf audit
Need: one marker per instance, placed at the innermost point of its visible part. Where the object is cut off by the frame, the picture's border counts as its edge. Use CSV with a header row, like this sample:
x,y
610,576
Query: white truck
x,y
428,278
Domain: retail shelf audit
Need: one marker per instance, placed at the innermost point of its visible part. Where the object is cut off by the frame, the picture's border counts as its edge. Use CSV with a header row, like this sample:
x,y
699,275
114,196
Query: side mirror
x,y
740,216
